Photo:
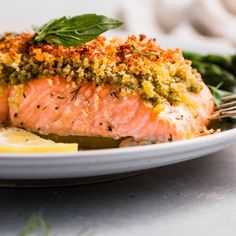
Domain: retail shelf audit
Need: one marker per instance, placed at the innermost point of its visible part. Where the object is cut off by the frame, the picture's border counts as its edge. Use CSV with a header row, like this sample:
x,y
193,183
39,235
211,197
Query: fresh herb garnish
x,y
75,31
36,225
75,93
35,222
217,93
135,49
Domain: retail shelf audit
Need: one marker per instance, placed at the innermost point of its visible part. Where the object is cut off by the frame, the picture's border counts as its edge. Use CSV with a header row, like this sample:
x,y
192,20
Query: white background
x,y
19,15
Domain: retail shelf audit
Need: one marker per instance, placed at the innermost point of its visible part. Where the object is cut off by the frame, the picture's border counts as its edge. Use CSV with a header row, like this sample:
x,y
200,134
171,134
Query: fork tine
x,y
225,105
223,114
229,98
226,109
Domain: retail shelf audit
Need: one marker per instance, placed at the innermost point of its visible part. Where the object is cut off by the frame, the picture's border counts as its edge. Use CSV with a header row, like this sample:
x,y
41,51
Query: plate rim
x,y
226,134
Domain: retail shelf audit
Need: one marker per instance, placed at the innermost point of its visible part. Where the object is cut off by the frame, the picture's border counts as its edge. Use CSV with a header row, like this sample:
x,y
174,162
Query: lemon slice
x,y
18,140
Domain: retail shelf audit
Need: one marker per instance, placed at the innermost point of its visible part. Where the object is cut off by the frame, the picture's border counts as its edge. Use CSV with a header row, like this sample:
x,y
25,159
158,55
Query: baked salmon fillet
x,y
118,88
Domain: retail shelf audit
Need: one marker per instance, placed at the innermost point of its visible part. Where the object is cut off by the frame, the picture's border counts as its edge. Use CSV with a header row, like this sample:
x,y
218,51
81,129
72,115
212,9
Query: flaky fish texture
x,y
111,88
48,107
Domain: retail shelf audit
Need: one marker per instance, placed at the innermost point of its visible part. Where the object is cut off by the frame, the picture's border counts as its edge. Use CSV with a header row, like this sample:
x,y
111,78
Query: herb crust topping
x,y
134,64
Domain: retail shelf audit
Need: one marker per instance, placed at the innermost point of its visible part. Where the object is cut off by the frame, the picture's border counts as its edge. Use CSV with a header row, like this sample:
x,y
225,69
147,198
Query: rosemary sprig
x,y
135,49
75,31
75,93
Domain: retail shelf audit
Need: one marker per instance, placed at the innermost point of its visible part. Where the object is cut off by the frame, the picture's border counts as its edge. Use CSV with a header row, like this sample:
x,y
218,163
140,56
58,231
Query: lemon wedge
x,y
18,140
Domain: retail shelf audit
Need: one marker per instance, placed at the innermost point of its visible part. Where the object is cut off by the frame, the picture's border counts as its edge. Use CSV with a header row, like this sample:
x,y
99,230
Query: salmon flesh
x,y
146,98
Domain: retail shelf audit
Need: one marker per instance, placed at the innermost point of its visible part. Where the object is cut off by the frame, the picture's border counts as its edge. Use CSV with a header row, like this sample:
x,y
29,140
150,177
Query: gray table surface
x,y
196,197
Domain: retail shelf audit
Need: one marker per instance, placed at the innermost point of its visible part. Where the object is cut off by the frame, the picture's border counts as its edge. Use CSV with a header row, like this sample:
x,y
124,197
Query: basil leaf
x,y
75,31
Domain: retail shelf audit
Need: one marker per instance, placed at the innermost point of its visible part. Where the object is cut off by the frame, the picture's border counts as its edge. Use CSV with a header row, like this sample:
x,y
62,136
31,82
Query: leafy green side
x,y
215,68
213,75
218,72
34,223
75,31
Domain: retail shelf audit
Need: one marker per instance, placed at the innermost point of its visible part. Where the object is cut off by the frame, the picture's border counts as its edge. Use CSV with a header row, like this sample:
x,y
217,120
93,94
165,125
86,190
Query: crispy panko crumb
x,y
159,76
208,131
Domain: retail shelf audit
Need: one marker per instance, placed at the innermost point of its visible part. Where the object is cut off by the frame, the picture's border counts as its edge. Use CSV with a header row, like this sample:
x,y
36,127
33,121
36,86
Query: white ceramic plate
x,y
110,161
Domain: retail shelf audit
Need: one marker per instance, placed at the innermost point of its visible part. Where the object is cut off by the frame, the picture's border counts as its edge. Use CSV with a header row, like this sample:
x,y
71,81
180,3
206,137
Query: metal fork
x,y
227,109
